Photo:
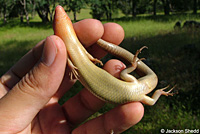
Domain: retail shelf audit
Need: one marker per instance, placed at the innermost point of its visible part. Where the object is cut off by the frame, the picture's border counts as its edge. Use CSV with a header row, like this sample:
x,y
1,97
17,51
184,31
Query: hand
x,y
30,90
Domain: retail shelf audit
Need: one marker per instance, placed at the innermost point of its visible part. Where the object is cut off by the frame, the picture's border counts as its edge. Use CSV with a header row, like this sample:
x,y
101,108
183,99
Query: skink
x,y
98,81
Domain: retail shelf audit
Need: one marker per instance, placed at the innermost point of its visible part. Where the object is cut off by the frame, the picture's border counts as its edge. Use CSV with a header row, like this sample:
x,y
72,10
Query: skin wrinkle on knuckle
x,y
29,82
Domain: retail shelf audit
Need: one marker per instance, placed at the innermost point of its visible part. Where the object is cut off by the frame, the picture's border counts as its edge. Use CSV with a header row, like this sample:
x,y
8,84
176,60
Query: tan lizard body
x,y
97,80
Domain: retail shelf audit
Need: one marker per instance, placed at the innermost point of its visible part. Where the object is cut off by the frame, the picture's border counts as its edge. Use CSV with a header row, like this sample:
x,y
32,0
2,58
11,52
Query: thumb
x,y
23,102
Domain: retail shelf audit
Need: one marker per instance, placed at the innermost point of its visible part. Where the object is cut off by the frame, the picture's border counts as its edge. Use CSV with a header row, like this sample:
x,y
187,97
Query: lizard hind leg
x,y
152,100
125,73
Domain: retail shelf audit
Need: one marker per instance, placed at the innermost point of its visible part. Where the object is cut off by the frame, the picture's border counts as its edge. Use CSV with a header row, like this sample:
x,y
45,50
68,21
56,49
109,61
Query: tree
x,y
5,8
75,6
25,9
134,7
166,6
102,8
154,7
110,6
33,8
183,5
43,9
97,11
126,6
52,3
195,6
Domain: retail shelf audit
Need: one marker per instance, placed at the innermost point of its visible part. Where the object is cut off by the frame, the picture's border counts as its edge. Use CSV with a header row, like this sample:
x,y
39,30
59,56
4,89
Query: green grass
x,y
175,59
16,39
173,55
149,28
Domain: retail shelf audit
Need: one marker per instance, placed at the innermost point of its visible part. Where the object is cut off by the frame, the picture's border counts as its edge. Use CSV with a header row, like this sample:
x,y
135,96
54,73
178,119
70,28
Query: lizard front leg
x,y
73,74
94,60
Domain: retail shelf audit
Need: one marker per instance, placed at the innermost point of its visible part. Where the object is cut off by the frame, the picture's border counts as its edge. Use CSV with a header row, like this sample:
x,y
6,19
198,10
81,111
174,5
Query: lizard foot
x,y
73,74
96,61
152,100
135,59
168,92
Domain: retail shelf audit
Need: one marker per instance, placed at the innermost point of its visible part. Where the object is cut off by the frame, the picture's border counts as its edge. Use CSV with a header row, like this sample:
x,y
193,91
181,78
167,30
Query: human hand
x,y
30,90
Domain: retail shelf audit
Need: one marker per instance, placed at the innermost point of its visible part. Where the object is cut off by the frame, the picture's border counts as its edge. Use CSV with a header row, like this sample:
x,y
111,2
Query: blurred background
x,y
170,29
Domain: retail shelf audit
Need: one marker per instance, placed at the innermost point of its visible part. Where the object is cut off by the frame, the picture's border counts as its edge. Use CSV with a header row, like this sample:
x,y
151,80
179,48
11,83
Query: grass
x,y
16,39
173,55
175,59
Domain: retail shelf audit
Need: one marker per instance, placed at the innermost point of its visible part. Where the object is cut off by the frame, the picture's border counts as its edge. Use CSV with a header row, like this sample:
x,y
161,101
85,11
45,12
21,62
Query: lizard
x,y
98,81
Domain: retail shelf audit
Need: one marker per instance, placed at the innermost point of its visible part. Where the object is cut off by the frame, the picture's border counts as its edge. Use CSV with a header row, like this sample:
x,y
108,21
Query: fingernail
x,y
49,51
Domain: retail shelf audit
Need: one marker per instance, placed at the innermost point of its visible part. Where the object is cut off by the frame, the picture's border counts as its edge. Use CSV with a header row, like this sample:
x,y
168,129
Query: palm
x,y
51,119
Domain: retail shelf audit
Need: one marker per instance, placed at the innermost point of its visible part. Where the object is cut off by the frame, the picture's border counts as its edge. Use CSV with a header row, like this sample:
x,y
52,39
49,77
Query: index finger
x,y
90,30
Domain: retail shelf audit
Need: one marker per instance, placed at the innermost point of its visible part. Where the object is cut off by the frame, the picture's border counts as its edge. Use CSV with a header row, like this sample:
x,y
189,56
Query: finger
x,y
88,31
27,97
23,66
117,120
81,106
65,86
85,101
114,67
51,120
113,33
3,90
